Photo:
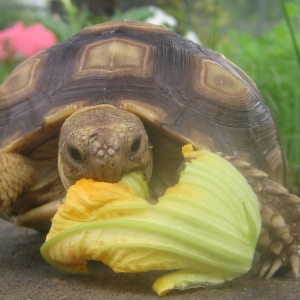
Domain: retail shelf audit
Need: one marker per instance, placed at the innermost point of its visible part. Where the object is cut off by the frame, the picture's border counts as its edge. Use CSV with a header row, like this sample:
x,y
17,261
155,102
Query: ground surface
x,y
25,275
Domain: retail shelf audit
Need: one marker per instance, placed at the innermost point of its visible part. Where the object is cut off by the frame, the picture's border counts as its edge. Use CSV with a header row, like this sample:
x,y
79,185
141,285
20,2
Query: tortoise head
x,y
102,143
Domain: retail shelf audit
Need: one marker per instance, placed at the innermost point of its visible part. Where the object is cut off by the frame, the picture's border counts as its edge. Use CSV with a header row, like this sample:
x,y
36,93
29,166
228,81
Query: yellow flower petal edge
x,y
186,279
206,226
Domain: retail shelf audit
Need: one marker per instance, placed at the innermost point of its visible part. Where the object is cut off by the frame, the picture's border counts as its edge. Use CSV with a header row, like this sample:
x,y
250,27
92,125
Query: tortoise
x,y
122,96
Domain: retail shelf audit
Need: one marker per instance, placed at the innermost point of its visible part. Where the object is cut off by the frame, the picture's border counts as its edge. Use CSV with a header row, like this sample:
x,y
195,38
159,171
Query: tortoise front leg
x,y
38,218
17,173
30,189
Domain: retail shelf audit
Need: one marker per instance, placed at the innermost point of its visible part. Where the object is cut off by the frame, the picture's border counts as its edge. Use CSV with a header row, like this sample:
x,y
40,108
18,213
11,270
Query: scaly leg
x,y
28,187
17,173
279,240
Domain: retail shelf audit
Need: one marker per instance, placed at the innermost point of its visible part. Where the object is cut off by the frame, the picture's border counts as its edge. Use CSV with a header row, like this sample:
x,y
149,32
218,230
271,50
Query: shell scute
x,y
214,81
114,57
23,80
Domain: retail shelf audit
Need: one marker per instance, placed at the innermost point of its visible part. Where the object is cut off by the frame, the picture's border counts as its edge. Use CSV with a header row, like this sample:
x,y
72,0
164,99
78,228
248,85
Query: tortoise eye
x,y
135,144
75,154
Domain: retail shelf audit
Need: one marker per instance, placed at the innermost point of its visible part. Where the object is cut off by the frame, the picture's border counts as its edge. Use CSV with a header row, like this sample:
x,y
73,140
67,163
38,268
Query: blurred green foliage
x,y
196,15
271,61
14,10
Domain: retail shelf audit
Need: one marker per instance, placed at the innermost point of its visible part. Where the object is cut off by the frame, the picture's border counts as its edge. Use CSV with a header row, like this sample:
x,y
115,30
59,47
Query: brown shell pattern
x,y
188,91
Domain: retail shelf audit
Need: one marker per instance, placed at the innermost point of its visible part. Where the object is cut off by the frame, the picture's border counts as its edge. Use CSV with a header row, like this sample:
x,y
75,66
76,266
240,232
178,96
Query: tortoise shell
x,y
187,91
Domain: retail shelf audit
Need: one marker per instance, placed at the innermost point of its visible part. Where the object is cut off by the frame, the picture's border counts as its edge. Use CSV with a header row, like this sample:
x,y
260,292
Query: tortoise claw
x,y
295,263
257,268
271,217
264,240
274,268
277,246
265,267
284,234
268,266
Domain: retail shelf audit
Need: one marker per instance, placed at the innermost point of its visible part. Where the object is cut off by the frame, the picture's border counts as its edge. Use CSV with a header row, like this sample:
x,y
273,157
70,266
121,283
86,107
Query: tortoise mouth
x,y
109,170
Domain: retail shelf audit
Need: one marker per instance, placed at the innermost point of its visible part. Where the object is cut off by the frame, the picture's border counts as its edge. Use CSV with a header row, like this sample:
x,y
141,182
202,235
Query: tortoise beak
x,y
109,170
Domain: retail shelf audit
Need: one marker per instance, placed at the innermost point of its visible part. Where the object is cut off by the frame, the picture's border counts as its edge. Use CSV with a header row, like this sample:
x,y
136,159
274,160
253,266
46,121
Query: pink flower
x,y
19,40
